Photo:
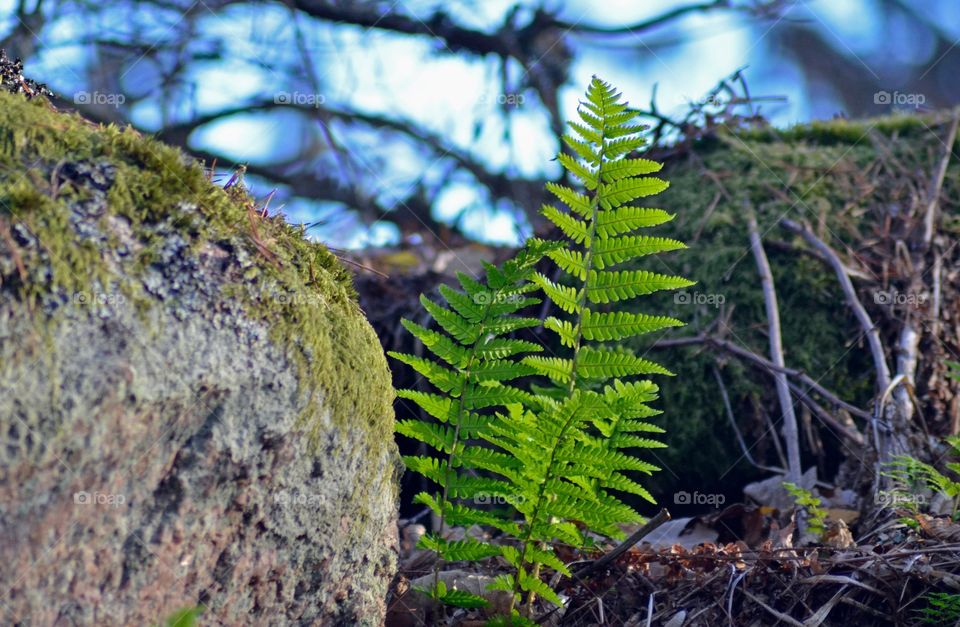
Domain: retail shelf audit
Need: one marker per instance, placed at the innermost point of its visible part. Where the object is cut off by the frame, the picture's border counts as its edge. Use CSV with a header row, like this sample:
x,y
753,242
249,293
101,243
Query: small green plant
x,y
812,505
953,370
560,453
911,476
942,609
187,617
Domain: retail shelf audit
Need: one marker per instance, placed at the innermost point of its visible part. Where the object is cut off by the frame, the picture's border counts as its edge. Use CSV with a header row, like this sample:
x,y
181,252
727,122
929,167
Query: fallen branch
x,y
623,547
825,417
758,360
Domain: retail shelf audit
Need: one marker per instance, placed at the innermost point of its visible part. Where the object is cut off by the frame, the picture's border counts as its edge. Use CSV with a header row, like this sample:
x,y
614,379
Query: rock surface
x,y
193,409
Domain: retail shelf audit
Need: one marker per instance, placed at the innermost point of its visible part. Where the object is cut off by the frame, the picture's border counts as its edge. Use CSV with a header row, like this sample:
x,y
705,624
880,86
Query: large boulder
x,y
194,410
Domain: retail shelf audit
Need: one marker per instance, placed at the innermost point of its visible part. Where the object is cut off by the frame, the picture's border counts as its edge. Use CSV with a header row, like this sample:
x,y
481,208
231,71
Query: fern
x,y
942,609
909,474
561,453
816,514
570,445
474,363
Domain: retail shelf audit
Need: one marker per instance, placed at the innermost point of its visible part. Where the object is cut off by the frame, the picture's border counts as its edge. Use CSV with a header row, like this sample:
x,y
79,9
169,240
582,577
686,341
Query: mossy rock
x,y
194,409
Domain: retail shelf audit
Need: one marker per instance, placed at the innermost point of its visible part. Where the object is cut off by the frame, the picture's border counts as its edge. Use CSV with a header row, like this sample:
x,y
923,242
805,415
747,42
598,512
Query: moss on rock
x,y
193,407
55,166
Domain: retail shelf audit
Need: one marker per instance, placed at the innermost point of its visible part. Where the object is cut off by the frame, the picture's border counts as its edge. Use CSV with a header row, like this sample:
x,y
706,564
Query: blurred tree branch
x,y
152,51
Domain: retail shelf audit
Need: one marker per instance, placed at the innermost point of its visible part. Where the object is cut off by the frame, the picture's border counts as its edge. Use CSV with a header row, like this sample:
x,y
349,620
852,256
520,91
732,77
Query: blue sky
x,y
456,97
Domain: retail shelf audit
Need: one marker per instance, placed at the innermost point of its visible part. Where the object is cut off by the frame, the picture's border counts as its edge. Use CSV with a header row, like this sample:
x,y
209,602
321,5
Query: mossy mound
x,y
194,407
852,182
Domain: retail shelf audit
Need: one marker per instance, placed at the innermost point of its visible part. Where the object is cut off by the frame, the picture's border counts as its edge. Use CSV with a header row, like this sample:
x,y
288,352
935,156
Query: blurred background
x,y
384,123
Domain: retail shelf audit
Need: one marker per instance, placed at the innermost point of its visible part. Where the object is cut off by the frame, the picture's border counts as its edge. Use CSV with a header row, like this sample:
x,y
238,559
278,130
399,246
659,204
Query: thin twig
x,y
933,202
790,433
765,363
623,547
866,324
779,615
846,431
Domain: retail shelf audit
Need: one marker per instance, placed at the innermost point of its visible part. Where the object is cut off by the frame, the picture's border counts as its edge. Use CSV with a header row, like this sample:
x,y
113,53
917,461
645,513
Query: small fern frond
x,y
617,325
478,359
467,549
566,298
571,262
575,201
597,364
612,286
626,219
442,378
451,322
571,227
628,168
614,250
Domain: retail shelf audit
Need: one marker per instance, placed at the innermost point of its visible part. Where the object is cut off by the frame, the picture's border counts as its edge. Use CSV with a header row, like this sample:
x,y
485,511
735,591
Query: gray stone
x,y
174,431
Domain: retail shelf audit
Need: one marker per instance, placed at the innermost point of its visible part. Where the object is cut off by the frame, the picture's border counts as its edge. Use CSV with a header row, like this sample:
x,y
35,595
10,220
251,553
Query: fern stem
x,y
532,520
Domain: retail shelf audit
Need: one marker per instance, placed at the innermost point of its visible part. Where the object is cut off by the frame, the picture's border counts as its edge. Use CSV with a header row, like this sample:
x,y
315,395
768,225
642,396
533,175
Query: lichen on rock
x,y
164,345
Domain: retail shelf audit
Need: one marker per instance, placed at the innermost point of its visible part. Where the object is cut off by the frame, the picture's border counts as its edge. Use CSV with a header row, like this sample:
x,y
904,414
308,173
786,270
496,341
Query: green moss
x,y
845,131
295,286
829,174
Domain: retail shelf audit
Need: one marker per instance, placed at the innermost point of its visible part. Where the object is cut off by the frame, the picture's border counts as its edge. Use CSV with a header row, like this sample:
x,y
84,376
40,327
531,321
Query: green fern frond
x,y
613,250
566,298
597,364
574,449
577,202
562,454
617,325
442,378
467,549
571,262
563,328
470,341
611,286
627,218
453,323
440,407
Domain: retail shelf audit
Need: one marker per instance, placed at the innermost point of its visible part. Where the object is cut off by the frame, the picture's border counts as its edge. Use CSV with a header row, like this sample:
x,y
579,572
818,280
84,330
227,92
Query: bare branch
x,y
790,432
768,365
933,201
733,423
866,324
639,27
